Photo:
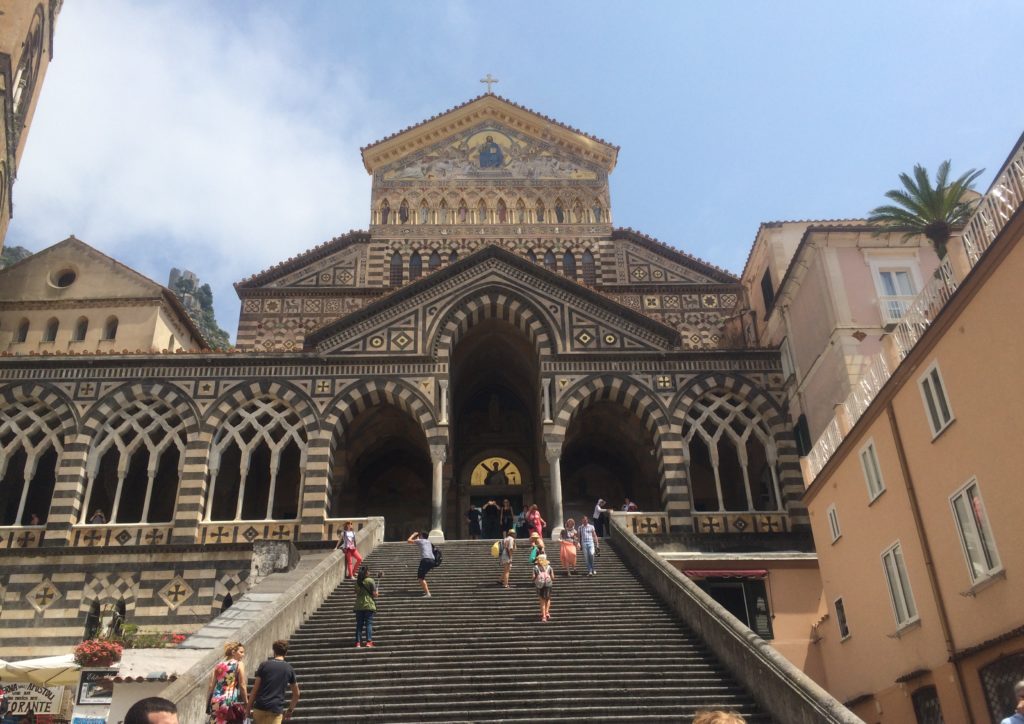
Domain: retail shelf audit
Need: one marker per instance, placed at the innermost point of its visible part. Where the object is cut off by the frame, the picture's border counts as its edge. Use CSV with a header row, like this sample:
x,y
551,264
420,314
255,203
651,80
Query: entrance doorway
x,y
495,421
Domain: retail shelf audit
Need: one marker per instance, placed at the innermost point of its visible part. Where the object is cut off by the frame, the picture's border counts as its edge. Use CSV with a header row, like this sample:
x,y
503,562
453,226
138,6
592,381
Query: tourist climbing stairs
x,y
477,652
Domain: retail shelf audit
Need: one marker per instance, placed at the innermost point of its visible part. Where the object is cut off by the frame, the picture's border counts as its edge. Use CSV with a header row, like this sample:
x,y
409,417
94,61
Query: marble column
x,y
438,454
442,402
554,517
546,398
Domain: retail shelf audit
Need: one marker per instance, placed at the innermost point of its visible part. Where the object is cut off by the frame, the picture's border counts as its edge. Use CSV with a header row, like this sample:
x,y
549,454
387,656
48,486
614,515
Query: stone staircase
x,y
477,652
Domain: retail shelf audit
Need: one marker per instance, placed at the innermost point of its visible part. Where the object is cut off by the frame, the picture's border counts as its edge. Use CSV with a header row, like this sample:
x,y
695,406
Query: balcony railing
x,y
925,307
894,306
996,207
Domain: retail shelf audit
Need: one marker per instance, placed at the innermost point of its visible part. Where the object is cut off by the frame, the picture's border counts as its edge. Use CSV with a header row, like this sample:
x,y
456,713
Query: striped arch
x,y
233,584
121,397
52,397
239,395
492,302
637,400
364,394
791,483
107,590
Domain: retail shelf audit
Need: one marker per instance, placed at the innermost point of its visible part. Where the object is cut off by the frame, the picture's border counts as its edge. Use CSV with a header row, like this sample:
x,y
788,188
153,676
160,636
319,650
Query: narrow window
x,y
927,709
110,329
589,269
872,471
900,595
435,261
802,433
540,211
975,532
415,266
549,261
81,327
92,622
935,401
395,275
385,211
767,291
844,628
50,333
531,256
22,331
453,257
569,265
896,293
833,523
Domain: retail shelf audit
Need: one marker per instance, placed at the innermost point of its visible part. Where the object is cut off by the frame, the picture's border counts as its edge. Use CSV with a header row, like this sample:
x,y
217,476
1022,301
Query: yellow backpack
x,y
496,549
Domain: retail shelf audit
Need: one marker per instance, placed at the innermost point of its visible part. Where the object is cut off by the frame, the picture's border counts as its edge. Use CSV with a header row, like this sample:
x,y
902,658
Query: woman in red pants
x,y
347,543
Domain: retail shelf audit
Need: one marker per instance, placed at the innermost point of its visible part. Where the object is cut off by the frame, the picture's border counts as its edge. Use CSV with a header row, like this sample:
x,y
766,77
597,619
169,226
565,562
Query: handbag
x,y
234,712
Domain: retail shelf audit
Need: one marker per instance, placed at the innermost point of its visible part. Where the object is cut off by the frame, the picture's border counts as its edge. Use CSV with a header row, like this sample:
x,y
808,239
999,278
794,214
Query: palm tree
x,y
923,209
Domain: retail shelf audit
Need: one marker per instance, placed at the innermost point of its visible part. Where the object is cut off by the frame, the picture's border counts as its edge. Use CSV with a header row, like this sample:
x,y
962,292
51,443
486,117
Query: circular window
x,y
64,278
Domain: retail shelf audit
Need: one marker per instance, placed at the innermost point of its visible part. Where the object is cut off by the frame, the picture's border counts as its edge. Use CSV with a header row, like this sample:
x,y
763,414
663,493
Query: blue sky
x,y
224,137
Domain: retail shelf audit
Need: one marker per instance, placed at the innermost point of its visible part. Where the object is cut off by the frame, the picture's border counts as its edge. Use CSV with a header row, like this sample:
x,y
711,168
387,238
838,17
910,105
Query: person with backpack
x,y
543,579
508,544
365,606
426,558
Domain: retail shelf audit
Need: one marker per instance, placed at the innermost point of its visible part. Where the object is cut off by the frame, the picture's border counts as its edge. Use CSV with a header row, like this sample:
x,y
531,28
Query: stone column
x,y
546,398
438,454
442,401
554,454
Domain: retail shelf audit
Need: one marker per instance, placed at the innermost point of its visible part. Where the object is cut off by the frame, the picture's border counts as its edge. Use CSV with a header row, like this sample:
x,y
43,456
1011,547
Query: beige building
x,y
26,48
916,511
824,293
72,299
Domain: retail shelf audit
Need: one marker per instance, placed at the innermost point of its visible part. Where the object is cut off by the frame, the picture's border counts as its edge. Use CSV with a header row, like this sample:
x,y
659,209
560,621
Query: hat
x,y
512,532
534,534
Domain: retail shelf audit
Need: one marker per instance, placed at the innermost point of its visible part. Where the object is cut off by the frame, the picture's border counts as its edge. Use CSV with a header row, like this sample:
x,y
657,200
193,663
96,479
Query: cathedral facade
x,y
492,335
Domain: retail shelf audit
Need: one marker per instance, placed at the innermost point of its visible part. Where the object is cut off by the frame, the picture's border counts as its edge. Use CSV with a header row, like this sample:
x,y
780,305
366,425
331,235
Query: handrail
x,y
781,689
1000,202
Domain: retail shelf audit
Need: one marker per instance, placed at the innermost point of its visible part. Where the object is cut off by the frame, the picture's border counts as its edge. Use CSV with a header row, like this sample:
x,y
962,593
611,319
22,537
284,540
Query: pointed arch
x,y
110,328
549,261
395,271
435,261
569,265
531,255
22,334
491,302
589,269
415,266
81,329
481,212
453,256
403,212
359,396
50,331
385,211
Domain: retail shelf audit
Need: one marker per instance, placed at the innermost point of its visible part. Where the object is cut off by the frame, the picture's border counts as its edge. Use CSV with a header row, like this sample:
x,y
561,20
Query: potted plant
x,y
97,653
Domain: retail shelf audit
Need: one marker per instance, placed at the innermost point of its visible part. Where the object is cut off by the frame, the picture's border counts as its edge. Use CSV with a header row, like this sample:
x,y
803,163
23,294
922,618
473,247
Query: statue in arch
x,y
496,475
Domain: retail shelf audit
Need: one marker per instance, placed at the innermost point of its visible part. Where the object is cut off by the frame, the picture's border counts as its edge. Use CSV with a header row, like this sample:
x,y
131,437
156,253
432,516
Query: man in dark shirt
x,y
266,702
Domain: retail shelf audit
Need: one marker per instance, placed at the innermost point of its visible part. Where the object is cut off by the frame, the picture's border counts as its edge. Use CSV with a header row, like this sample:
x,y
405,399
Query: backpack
x,y
437,555
496,549
543,576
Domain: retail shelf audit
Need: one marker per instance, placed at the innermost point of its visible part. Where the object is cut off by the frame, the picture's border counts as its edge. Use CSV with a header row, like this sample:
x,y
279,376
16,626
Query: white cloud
x,y
179,138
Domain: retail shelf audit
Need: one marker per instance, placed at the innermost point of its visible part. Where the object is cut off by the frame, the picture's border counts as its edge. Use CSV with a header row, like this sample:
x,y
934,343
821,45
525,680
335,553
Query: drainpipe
x,y
929,562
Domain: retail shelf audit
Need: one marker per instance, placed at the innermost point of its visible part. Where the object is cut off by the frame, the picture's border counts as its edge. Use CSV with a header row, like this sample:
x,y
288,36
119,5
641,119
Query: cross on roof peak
x,y
489,81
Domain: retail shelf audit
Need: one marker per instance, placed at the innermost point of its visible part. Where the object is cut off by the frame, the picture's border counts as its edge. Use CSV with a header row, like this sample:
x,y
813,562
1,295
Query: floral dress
x,y
225,690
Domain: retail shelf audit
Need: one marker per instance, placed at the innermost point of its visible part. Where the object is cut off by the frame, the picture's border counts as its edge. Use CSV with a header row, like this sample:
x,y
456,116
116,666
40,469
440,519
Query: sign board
x,y
21,699
96,686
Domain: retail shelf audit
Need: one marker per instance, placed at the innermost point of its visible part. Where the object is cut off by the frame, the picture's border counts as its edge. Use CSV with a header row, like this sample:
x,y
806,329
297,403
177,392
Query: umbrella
x,y
47,671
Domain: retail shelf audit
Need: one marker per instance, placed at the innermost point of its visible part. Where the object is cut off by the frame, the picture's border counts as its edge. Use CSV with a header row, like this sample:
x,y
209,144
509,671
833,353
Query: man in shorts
x,y
426,559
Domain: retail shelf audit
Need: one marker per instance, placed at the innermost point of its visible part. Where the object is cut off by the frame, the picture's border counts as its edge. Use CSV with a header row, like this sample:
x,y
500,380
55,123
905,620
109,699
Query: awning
x,y
747,573
47,671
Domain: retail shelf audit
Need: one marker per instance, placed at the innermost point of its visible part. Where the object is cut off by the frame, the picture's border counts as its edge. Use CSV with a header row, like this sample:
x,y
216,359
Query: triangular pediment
x,y
534,143
575,319
71,270
340,262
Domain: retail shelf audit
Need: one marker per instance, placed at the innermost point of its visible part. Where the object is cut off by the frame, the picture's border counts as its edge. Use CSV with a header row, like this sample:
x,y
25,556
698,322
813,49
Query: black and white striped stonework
x,y
475,652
